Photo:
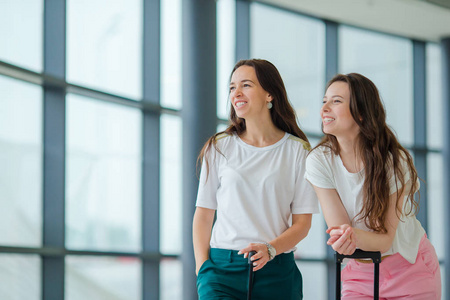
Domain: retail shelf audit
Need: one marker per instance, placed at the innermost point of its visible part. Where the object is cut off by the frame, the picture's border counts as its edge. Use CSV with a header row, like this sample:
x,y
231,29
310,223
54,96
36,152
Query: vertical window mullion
x,y
54,148
242,29
446,155
331,69
420,124
151,148
198,88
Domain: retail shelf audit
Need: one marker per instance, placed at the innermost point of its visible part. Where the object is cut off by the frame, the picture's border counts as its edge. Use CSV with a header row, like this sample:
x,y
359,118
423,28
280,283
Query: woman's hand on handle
x,y
301,223
261,258
342,239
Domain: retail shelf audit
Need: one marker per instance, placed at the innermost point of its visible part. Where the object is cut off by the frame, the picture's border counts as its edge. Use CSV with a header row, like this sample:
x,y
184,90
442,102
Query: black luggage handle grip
x,y
250,254
375,256
250,274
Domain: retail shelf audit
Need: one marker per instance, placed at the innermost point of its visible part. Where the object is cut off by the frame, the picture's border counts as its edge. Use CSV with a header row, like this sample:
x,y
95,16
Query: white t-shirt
x,y
255,190
326,170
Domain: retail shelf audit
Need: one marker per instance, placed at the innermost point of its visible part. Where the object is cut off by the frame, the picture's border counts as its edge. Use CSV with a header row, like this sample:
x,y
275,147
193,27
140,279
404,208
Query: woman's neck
x,y
261,134
350,156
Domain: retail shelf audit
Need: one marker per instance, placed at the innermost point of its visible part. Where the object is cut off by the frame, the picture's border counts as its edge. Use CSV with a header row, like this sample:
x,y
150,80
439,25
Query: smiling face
x,y
337,119
248,98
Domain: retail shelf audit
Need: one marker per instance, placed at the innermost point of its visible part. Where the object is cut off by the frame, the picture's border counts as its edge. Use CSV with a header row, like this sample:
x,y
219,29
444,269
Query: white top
x,y
255,190
326,170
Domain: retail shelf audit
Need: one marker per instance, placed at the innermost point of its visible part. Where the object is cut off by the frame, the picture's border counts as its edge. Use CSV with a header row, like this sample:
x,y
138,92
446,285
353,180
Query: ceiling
x,y
416,19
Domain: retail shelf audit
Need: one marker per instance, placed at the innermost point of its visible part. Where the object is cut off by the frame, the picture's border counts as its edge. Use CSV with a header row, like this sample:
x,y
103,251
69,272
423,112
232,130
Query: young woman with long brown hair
x,y
366,181
253,177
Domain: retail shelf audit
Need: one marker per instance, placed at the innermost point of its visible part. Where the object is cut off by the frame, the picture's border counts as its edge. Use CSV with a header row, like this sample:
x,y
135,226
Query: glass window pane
x,y
387,61
103,175
314,245
21,33
314,280
20,277
21,163
435,203
435,97
104,45
103,278
221,127
171,53
313,141
170,279
171,205
296,46
226,20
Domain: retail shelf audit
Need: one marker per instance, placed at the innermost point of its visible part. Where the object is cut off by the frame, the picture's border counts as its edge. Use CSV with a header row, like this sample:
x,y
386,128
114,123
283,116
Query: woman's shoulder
x,y
222,135
402,162
222,141
321,151
300,142
322,155
216,141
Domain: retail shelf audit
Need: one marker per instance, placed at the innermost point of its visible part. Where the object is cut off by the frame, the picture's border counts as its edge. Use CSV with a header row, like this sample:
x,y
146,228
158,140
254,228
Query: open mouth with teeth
x,y
327,120
240,103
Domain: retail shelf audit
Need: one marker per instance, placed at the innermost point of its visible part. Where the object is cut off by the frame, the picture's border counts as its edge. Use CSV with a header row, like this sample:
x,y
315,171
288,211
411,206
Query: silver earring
x,y
269,105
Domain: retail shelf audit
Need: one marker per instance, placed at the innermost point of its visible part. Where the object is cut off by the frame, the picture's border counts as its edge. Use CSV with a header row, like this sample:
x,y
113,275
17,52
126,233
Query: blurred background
x,y
105,104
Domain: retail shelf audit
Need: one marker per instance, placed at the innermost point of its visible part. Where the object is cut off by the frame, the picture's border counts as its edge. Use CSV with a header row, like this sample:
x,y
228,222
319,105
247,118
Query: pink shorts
x,y
399,279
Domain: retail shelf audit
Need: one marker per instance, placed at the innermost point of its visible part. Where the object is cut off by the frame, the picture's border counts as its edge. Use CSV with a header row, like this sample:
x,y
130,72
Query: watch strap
x,y
271,250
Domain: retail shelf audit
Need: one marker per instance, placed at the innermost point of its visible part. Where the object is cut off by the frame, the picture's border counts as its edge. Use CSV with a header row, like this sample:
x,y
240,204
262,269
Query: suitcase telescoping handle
x,y
250,275
375,256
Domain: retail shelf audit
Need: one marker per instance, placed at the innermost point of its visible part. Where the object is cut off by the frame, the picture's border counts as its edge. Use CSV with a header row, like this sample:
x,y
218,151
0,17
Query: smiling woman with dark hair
x,y
366,181
253,176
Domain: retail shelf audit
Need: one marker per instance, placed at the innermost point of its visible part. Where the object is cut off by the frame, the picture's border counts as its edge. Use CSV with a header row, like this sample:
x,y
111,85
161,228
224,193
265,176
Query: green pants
x,y
225,276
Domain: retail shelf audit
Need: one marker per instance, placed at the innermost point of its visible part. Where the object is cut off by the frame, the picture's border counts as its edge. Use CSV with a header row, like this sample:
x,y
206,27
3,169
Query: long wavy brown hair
x,y
282,113
380,152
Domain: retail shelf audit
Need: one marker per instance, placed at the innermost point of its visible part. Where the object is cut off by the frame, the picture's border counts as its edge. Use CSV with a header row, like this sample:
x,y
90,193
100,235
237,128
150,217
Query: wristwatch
x,y
272,251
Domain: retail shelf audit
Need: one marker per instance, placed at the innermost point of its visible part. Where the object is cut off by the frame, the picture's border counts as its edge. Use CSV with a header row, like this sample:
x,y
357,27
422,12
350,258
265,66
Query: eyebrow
x,y
334,96
245,80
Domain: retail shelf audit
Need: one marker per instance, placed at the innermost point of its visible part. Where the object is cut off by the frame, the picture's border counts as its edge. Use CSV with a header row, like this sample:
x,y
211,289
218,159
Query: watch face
x,y
271,250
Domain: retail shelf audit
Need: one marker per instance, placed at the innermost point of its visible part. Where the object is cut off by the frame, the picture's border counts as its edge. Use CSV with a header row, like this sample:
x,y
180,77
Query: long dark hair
x,y
380,152
282,113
